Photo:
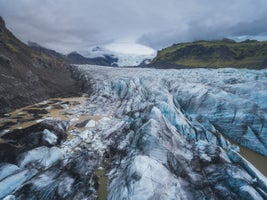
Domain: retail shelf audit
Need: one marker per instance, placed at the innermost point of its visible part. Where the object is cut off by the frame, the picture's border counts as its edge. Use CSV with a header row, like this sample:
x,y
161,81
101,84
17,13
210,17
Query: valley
x,y
133,100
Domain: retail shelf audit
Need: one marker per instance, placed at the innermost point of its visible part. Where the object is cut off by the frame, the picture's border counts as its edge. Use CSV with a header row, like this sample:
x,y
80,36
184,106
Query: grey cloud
x,y
255,27
67,25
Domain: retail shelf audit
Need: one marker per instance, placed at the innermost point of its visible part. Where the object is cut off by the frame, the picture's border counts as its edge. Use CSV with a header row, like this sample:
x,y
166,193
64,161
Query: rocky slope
x,y
216,54
158,134
28,76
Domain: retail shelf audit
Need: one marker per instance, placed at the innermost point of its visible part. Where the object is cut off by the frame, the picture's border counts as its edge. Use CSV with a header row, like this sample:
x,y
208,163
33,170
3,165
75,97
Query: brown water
x,y
57,108
258,160
103,182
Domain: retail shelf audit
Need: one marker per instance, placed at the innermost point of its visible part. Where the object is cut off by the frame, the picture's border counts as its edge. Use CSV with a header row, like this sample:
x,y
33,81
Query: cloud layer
x,y
67,25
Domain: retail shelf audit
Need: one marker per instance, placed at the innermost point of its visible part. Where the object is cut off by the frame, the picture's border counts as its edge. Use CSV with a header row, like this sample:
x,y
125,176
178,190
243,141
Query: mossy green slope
x,y
222,53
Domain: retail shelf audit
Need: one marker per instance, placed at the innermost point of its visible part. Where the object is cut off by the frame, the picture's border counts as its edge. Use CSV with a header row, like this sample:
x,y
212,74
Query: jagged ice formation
x,y
159,134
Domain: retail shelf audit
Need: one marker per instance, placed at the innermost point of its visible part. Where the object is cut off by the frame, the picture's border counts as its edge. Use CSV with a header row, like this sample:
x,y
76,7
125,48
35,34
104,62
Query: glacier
x,y
179,124
232,102
128,54
157,134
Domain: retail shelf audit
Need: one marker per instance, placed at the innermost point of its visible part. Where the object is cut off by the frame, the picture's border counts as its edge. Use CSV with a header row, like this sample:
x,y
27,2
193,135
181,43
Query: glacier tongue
x,y
172,142
231,102
158,134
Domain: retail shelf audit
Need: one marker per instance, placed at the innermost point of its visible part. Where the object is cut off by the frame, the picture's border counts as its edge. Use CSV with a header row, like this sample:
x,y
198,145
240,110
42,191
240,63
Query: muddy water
x,y
258,160
57,108
60,108
103,182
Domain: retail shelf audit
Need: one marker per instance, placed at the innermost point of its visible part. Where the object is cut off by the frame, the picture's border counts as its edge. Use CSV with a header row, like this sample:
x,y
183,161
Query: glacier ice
x,y
180,122
158,134
42,157
49,137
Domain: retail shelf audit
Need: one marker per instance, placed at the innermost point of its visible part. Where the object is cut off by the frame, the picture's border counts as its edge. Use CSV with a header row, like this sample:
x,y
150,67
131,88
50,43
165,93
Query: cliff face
x,y
28,76
223,53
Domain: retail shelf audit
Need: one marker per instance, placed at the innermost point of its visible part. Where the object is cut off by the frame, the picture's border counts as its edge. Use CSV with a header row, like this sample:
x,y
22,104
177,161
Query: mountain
x,y
28,76
35,46
250,54
123,59
105,60
76,58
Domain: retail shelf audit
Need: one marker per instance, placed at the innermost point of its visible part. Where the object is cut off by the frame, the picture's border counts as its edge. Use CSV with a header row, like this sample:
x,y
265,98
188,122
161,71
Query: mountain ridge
x,y
106,60
74,57
249,54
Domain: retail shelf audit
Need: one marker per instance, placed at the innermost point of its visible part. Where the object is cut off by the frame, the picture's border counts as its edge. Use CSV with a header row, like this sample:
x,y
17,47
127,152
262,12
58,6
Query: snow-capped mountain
x,y
128,54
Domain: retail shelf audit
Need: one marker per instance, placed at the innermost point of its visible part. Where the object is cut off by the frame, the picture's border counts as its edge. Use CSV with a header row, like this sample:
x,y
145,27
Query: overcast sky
x,y
67,25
